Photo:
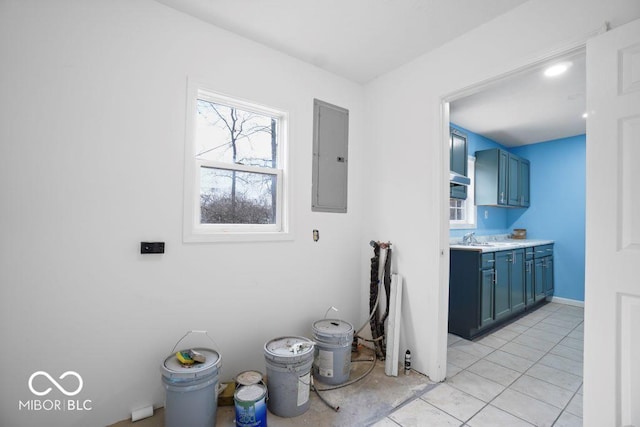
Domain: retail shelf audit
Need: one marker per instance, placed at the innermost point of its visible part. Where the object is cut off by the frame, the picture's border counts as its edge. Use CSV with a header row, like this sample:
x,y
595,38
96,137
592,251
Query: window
x,y
462,213
235,170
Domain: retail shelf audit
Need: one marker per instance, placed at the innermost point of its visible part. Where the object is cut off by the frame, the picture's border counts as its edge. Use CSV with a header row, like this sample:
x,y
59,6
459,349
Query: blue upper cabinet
x,y
458,153
514,181
524,183
502,179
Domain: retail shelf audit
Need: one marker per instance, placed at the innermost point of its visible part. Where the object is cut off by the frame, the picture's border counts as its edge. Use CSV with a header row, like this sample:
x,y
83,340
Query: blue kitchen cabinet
x,y
470,280
543,271
538,278
517,281
486,296
530,296
485,289
458,162
525,167
488,289
491,177
502,291
513,192
502,179
548,279
510,285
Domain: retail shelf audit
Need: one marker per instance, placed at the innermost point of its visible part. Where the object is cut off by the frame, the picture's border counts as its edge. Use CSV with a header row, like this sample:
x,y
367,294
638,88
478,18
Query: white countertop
x,y
501,245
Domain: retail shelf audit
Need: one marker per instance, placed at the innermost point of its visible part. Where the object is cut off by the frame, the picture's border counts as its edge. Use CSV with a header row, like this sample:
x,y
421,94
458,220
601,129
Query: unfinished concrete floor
x,y
361,404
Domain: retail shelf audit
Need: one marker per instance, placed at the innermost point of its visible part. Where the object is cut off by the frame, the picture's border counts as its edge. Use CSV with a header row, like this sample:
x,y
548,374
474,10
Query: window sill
x,y
454,226
237,237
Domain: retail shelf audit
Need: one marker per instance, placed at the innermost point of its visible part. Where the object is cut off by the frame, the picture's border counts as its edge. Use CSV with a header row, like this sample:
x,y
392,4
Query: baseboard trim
x,y
567,301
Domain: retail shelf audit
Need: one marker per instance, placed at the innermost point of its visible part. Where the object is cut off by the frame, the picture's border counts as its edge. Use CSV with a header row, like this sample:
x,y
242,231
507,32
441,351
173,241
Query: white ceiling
x,y
529,107
363,39
357,39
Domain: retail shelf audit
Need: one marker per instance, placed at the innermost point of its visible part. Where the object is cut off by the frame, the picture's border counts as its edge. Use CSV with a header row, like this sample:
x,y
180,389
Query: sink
x,y
506,244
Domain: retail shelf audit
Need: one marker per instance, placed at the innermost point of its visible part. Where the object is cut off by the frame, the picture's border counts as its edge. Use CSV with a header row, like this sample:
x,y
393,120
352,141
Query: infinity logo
x,y
55,383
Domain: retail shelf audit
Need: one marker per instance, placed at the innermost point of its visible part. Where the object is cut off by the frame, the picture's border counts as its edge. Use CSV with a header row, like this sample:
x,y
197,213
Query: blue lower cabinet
x,y
503,286
487,297
530,296
517,281
543,272
548,276
488,289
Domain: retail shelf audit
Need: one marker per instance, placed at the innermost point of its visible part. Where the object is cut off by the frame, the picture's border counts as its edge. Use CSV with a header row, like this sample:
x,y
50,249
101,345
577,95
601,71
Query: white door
x,y
612,289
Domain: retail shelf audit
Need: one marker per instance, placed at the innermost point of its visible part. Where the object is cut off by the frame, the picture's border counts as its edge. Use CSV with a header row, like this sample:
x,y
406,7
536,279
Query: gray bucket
x,y
288,361
332,359
191,392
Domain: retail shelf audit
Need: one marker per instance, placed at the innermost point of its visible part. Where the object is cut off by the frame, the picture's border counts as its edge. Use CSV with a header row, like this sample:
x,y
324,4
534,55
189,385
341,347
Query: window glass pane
x,y
235,197
457,210
232,135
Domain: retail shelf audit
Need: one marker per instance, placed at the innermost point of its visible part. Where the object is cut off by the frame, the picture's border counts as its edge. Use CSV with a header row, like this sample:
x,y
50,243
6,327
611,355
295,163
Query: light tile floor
x,y
528,373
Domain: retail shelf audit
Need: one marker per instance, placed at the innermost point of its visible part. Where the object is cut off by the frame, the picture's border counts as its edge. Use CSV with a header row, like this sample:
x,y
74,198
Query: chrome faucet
x,y
469,238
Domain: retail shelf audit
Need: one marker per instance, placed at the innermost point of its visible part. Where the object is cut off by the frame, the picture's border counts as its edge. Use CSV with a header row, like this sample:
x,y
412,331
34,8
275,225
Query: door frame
x,y
572,47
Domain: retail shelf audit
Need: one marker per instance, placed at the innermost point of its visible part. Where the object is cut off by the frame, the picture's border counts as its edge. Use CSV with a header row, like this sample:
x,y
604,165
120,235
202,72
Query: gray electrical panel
x,y
330,157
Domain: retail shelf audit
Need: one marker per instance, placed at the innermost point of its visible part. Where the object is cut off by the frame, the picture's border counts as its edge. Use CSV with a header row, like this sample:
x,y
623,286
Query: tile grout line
x,y
565,408
511,383
415,397
548,352
549,313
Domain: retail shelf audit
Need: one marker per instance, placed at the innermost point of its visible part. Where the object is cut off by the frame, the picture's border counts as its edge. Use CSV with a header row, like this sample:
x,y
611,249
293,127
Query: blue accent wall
x,y
557,211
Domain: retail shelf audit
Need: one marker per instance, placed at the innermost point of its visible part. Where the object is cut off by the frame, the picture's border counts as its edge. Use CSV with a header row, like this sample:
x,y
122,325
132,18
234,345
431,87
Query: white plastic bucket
x,y
288,361
332,358
251,409
191,392
248,378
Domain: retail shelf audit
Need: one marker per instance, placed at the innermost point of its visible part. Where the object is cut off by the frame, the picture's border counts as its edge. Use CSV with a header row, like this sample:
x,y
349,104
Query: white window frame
x,y
469,203
193,229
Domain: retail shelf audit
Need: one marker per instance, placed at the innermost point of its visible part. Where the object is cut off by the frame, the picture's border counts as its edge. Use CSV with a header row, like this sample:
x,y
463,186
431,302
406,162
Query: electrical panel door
x,y
330,157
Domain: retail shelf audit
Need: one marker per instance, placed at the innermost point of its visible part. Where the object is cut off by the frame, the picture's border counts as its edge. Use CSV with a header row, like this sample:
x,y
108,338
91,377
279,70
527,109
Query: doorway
x,y
509,366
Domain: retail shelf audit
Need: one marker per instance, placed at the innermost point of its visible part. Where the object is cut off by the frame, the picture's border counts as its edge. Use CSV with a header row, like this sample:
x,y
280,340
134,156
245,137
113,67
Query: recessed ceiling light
x,y
585,115
557,69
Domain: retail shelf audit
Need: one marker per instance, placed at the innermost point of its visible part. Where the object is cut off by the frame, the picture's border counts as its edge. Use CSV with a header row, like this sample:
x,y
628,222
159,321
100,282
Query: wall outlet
x,y
151,247
486,214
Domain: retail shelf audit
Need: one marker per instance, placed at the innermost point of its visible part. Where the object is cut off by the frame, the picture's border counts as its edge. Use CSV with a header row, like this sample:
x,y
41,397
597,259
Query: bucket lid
x,y
251,393
289,346
249,378
332,326
172,368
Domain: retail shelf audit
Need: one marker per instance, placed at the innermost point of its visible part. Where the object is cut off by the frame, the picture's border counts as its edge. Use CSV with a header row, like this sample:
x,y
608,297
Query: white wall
x,y
92,101
92,124
409,186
